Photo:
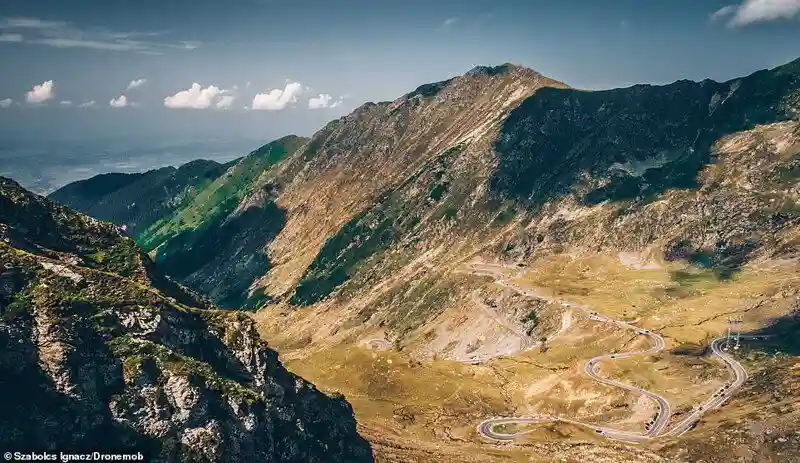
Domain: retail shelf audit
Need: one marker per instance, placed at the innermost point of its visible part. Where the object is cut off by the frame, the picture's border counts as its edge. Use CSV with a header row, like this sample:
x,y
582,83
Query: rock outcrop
x,y
98,352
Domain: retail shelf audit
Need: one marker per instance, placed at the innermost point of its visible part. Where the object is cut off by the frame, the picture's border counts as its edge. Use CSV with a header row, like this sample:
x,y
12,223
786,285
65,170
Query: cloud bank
x,y
226,102
323,100
6,37
62,34
6,103
450,22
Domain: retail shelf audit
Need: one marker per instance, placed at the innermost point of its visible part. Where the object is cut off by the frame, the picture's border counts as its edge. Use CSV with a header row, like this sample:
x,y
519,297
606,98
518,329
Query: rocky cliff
x,y
102,353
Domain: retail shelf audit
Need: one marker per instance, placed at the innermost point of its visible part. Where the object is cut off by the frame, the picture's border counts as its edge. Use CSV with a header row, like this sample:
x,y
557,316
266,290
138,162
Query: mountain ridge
x,y
673,205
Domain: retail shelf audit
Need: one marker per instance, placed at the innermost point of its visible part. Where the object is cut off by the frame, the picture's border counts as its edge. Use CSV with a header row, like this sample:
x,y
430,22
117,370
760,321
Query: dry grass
x,y
686,304
427,411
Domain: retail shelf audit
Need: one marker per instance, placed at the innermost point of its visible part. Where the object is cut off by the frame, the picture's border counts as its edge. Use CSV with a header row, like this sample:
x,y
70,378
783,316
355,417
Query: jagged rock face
x,y
96,360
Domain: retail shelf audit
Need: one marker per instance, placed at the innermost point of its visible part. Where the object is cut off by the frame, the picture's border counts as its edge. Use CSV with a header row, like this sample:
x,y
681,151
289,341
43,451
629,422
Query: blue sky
x,y
265,68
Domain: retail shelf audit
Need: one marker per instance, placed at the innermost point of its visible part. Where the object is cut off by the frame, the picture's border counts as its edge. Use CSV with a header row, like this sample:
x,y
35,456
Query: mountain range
x,y
361,254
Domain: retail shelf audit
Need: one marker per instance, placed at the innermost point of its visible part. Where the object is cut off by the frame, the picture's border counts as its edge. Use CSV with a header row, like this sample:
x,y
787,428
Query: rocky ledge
x,y
91,360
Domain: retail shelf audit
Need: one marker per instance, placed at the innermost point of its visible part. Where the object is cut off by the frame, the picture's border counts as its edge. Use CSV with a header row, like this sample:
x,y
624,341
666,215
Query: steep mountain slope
x,y
100,353
213,245
138,200
674,207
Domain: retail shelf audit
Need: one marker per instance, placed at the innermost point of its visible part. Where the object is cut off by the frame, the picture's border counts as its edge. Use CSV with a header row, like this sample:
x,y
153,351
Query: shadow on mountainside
x,y
783,332
643,139
223,257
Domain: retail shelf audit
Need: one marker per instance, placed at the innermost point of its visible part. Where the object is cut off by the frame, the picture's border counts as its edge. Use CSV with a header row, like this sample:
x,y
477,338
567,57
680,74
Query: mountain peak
x,y
501,70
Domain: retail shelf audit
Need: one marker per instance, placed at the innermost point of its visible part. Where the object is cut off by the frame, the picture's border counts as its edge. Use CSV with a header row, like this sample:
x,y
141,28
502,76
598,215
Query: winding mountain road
x,y
654,428
720,395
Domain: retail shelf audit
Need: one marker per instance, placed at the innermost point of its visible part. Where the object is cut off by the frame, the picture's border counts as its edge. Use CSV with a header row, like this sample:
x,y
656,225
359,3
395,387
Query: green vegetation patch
x,y
550,142
122,258
357,240
222,196
438,190
724,260
21,304
134,352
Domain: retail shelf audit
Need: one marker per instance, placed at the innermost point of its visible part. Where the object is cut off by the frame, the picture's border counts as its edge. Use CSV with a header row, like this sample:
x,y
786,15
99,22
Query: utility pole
x,y
734,333
738,326
728,335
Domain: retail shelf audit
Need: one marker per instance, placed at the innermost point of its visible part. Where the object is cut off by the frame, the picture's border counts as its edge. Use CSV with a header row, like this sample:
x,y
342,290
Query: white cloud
x,y
66,103
137,83
450,22
723,12
61,34
320,102
87,104
755,11
9,37
6,103
119,102
195,97
225,102
277,99
323,100
40,93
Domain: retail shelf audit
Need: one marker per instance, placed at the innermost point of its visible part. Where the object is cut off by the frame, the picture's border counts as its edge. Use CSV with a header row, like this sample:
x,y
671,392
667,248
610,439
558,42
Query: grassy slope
x,y
222,196
139,200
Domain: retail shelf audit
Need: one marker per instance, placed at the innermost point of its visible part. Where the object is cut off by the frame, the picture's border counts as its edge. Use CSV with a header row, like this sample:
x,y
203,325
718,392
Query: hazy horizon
x,y
254,70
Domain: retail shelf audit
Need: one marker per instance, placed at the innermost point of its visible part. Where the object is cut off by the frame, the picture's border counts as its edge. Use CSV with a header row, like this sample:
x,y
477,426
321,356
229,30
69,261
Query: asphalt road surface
x,y
654,428
720,395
